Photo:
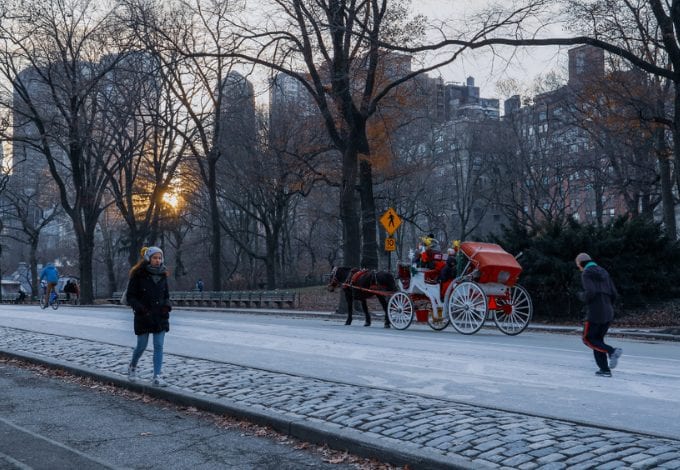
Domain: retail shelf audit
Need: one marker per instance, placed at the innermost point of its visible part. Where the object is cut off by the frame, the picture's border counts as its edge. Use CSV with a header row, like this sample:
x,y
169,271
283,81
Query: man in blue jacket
x,y
598,294
50,275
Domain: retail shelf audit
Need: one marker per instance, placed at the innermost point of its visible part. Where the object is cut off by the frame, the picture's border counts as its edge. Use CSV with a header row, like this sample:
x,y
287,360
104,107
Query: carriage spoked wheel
x,y
467,308
514,311
400,311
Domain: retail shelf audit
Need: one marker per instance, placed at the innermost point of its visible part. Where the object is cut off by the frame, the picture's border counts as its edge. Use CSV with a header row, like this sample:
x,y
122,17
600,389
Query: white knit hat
x,y
152,250
581,257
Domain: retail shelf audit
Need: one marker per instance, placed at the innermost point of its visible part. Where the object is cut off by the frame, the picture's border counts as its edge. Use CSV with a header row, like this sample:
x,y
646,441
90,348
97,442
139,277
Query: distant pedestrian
x,y
149,297
599,293
199,285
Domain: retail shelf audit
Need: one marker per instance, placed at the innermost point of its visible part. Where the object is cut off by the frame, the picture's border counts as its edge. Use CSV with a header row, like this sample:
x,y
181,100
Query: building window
x,y
580,63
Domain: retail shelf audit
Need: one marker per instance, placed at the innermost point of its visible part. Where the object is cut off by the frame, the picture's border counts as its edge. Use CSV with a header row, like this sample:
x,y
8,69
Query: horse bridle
x,y
334,282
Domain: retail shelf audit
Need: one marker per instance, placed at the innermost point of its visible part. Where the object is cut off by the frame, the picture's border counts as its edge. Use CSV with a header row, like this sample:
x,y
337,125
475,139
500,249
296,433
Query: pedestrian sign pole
x,y
391,221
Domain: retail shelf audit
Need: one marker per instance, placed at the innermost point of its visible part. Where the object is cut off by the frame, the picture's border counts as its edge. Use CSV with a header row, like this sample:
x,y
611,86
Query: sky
x,y
523,65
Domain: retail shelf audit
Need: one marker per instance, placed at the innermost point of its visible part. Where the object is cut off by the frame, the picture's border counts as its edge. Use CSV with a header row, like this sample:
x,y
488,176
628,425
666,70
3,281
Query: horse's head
x,y
339,275
333,281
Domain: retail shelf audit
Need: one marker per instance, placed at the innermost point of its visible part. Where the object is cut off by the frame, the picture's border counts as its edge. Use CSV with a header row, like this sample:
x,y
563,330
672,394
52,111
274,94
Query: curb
x,y
363,445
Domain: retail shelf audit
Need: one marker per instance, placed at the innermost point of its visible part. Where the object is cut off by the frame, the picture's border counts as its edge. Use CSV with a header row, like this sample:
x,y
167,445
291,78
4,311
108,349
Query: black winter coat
x,y
150,302
598,294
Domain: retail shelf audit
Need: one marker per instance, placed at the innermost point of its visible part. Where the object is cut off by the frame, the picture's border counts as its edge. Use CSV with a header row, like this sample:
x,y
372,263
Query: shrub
x,y
642,261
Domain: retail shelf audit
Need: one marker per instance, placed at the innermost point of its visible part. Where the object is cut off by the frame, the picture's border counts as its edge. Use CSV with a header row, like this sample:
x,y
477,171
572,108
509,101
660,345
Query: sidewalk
x,y
400,428
48,423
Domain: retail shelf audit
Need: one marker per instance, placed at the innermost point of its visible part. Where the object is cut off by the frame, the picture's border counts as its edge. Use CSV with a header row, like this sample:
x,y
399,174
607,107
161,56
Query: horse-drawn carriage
x,y
485,287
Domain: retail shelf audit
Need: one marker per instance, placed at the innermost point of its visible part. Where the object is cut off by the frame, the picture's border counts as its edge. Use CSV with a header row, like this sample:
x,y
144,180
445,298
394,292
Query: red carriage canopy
x,y
493,262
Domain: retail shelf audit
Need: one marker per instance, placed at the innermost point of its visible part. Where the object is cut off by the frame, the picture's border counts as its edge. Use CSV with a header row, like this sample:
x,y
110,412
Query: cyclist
x,y
50,275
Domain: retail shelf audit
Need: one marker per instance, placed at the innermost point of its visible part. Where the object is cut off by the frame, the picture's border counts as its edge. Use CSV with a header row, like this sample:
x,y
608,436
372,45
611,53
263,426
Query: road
x,y
536,373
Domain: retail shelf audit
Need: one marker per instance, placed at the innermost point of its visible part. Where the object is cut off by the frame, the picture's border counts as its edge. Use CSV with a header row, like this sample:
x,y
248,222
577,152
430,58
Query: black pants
x,y
593,337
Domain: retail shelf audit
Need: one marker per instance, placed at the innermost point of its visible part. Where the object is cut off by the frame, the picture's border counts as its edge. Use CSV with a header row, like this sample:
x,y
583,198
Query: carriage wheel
x,y
467,308
514,311
400,311
435,323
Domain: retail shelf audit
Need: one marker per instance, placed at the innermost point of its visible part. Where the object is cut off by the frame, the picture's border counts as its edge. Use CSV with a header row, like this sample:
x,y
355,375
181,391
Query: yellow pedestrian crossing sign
x,y
390,220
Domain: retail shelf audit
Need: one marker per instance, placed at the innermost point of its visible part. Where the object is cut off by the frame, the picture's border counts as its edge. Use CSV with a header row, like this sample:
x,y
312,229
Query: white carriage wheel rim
x,y
472,318
520,314
400,310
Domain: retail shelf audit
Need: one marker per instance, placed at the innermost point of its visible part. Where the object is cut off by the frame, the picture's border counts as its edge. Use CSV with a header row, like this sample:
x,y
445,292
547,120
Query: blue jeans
x,y
142,342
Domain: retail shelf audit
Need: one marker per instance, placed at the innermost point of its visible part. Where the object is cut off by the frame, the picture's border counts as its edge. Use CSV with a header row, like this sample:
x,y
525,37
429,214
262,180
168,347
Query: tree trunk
x,y
599,206
109,261
646,208
351,241
136,243
369,247
86,250
664,156
33,260
271,262
216,255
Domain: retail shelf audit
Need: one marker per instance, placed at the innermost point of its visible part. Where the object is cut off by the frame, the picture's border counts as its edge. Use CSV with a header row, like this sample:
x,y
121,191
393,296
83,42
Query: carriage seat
x,y
404,273
432,275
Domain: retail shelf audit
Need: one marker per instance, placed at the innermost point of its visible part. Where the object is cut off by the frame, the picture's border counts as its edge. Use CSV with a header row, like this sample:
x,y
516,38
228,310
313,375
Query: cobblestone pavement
x,y
401,427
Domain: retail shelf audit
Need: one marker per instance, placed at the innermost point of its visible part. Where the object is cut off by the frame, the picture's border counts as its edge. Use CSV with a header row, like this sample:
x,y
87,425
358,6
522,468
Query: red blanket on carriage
x,y
493,262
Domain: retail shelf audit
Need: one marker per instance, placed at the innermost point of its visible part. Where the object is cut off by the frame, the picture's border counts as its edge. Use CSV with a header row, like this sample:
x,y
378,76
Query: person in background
x,y
149,297
71,287
448,273
22,295
428,249
599,293
50,275
199,285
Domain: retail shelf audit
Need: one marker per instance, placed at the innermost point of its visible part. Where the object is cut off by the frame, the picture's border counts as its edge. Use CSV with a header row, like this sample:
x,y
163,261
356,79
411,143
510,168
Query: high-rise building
x,y
236,126
567,160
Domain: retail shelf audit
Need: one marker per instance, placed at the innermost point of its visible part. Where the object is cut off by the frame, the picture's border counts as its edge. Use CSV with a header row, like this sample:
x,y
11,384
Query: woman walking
x,y
148,295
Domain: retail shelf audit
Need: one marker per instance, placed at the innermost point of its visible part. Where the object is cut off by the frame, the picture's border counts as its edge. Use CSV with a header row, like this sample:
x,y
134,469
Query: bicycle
x,y
54,298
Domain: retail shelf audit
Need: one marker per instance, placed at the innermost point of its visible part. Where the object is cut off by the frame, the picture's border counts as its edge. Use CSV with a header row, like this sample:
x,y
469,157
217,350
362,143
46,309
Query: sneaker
x,y
159,382
614,358
603,373
132,373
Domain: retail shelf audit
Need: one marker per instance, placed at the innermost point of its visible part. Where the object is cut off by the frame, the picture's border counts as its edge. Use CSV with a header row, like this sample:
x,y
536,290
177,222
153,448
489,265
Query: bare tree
x,y
622,115
332,49
642,32
145,126
169,31
34,208
52,55
266,184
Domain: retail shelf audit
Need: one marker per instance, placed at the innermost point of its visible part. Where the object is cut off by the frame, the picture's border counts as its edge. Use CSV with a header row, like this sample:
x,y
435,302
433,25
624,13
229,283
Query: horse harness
x,y
356,274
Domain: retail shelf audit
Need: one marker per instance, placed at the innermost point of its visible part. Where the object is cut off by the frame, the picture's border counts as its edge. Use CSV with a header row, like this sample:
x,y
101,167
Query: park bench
x,y
228,299
10,298
115,297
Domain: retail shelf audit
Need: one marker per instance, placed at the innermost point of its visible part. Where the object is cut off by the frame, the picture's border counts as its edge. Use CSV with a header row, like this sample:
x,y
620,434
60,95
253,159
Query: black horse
x,y
360,285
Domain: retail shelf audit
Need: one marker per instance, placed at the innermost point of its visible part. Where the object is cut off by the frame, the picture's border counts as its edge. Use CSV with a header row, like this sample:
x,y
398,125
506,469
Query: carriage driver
x,y
429,247
452,268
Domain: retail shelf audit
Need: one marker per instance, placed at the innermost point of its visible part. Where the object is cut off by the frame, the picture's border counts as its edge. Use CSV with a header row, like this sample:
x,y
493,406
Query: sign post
x,y
391,221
